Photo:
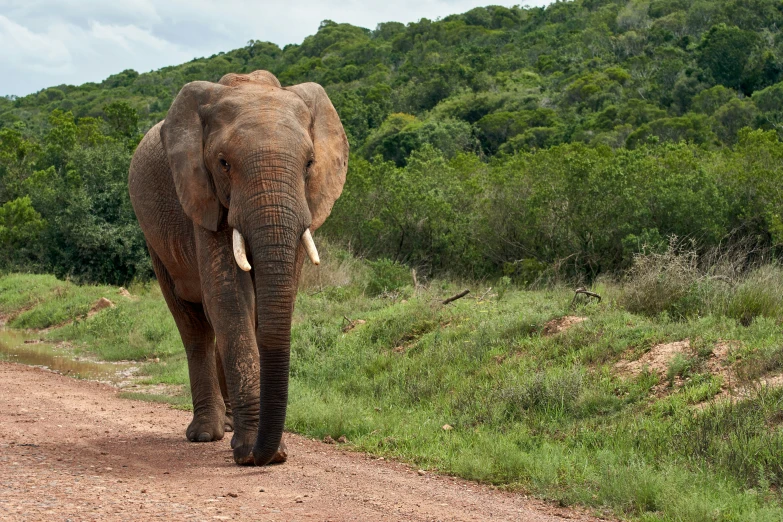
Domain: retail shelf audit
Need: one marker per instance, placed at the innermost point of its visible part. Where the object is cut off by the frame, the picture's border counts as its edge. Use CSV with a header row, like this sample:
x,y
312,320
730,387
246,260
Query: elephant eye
x,y
224,164
307,170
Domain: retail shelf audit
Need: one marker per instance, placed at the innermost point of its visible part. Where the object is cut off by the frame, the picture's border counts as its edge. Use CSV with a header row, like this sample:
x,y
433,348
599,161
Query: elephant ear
x,y
182,135
327,173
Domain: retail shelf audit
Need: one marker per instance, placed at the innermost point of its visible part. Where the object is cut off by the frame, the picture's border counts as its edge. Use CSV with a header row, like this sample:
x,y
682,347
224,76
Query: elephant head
x,y
270,162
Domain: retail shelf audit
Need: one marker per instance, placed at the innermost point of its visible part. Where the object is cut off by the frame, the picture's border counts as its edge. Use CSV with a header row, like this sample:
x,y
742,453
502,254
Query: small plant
x,y
680,366
503,285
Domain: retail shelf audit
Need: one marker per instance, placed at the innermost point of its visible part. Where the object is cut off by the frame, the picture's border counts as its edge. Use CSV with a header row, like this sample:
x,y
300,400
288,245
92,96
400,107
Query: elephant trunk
x,y
274,247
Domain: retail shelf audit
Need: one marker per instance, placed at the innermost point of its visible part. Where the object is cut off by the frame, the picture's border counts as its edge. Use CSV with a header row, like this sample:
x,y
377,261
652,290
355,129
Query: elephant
x,y
228,190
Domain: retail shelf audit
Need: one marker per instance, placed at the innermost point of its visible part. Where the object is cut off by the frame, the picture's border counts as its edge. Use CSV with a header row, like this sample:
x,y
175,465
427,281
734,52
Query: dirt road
x,y
73,450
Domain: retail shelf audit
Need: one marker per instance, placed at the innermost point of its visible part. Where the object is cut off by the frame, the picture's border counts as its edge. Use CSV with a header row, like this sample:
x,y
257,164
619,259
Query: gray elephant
x,y
227,190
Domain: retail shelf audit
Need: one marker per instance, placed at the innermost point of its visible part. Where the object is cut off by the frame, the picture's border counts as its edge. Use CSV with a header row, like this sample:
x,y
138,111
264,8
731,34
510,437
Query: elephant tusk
x,y
240,255
307,239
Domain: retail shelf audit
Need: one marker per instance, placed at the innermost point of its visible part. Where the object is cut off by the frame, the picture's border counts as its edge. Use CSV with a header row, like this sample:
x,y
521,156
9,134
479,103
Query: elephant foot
x,y
228,423
205,429
242,444
243,452
281,455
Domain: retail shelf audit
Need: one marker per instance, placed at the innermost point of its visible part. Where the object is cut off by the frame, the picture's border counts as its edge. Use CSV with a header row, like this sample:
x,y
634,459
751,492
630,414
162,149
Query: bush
x,y
386,276
735,282
659,283
760,294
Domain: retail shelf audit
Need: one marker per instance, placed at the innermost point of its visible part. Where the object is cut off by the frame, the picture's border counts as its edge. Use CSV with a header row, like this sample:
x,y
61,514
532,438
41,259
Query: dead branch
x,y
350,324
484,294
585,291
455,297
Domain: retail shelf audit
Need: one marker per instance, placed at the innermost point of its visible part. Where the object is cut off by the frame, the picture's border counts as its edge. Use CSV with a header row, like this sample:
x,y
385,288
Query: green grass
x,y
138,328
545,414
44,301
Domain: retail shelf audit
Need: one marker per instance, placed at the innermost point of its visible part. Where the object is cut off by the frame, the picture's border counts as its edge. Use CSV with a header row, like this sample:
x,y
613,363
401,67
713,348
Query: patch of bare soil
x,y
744,390
71,449
100,304
656,361
718,364
773,381
659,358
561,324
735,389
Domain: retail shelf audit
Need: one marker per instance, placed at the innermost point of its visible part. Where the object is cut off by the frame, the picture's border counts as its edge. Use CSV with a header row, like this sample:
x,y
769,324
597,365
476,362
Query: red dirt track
x,y
74,450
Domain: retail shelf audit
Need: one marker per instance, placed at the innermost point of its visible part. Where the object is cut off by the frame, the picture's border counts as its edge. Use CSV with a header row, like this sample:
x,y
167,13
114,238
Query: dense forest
x,y
501,141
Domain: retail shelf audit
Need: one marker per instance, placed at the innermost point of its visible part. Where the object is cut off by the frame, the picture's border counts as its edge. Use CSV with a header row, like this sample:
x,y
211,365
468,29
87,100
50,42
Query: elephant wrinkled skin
x,y
241,155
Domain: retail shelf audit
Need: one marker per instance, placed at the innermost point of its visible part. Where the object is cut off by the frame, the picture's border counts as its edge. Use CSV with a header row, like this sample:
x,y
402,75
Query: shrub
x,y
760,294
386,276
659,283
734,281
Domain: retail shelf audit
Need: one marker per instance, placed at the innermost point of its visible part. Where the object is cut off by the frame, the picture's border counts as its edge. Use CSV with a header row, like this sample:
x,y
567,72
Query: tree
x,y
769,102
693,128
20,223
122,118
725,51
731,117
708,101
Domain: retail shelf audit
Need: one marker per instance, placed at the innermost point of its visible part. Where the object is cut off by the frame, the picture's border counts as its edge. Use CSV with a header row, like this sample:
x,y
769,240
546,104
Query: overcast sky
x,y
51,42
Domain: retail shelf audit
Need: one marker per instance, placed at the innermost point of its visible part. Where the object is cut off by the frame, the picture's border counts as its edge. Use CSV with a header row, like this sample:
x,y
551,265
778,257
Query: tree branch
x,y
585,291
455,297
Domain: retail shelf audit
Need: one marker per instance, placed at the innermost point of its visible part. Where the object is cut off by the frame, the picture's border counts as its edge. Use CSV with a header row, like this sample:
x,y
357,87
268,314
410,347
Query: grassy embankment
x,y
547,412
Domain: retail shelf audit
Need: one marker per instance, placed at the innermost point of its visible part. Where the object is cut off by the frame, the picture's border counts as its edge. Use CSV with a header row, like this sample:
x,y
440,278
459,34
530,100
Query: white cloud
x,y
51,42
128,37
26,50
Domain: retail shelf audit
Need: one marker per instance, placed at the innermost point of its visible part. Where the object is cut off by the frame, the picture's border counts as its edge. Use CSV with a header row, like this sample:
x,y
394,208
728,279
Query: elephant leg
x,y
199,340
229,422
229,301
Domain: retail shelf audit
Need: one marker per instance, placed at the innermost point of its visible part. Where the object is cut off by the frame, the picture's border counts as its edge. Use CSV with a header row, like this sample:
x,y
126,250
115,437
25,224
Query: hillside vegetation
x,y
530,143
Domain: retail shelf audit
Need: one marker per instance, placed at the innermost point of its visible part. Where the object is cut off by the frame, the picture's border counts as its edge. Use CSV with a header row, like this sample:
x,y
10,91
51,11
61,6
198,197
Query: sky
x,y
52,42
